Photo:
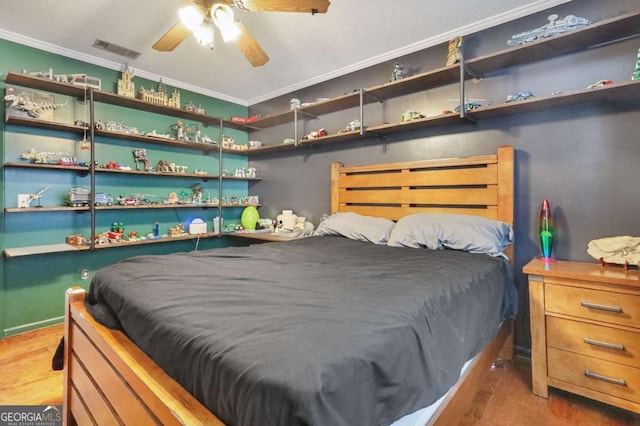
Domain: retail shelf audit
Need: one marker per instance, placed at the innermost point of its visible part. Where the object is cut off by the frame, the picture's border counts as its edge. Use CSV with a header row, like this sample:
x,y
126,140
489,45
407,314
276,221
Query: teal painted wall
x,y
32,288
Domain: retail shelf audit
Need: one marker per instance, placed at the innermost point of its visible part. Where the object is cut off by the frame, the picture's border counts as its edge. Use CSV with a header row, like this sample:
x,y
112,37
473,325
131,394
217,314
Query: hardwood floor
x,y
506,400
26,378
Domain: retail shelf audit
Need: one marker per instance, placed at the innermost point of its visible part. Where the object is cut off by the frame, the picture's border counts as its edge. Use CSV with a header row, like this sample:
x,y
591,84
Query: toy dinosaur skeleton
x,y
34,109
40,157
621,250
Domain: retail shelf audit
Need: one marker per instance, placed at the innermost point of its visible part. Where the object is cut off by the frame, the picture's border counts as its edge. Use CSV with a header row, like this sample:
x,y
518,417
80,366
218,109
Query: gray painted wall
x,y
583,159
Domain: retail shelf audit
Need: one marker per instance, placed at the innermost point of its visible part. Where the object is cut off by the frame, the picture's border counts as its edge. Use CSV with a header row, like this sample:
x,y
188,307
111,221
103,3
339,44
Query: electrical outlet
x,y
84,274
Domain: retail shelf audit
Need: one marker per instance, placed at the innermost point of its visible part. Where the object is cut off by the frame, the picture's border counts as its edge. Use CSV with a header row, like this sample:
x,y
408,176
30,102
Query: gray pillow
x,y
435,231
356,227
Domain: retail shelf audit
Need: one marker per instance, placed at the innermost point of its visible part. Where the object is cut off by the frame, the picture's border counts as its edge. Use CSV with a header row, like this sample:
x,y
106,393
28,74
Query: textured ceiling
x,y
304,49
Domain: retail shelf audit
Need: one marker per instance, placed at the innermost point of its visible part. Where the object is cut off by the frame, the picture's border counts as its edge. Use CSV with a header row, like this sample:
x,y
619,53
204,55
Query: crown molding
x,y
475,27
117,66
481,25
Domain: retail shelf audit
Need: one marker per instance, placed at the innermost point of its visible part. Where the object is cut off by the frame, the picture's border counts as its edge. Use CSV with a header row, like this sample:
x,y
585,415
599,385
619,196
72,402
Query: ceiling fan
x,y
200,17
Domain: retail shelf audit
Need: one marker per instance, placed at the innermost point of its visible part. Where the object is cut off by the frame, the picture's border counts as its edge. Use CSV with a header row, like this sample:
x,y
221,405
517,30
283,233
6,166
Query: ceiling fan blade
x,y
250,47
172,38
301,6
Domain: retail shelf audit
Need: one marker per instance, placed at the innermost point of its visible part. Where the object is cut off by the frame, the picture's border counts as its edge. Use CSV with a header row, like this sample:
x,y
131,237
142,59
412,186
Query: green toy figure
x,y
636,73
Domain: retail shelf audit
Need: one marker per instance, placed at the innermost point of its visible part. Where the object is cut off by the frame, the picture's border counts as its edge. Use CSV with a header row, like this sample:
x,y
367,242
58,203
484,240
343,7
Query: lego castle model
x,y
159,96
126,87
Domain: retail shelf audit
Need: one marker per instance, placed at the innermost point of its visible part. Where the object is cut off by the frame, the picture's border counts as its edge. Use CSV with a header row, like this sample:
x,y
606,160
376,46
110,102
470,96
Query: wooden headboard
x,y
481,186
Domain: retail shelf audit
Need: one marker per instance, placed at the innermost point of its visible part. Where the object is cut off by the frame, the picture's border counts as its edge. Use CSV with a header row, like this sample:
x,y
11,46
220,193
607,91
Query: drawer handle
x,y
617,309
597,376
604,344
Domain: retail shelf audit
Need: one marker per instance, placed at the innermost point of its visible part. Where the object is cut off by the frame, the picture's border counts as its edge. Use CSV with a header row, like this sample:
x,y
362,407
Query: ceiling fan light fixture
x,y
223,18
204,34
190,15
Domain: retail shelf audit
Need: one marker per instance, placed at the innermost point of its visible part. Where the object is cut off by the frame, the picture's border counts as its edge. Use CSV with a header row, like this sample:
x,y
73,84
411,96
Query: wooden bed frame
x,y
109,380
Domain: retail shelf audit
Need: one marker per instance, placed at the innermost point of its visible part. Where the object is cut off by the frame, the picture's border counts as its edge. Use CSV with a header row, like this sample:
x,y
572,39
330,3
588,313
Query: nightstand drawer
x,y
606,306
606,343
602,376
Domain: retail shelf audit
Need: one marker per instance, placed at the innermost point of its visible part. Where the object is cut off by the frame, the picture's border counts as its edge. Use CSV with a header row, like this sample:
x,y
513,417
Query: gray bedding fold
x,y
322,331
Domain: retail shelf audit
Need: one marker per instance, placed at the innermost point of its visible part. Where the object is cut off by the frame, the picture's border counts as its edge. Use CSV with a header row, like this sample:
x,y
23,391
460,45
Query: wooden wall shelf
x,y
92,96
606,31
81,93
60,248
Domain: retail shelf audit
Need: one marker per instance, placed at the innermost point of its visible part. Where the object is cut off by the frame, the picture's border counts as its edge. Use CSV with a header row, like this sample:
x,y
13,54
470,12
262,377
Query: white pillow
x,y
356,227
474,234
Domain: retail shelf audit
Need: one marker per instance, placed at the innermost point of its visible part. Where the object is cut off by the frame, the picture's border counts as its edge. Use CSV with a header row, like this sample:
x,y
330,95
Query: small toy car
x,y
316,134
471,104
600,83
411,115
520,96
128,201
78,197
103,199
351,126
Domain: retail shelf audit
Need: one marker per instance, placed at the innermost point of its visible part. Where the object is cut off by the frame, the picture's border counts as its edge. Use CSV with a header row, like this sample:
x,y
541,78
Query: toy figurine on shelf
x,y
519,97
175,168
636,73
228,142
410,114
315,134
474,103
352,126
116,126
207,139
114,165
192,108
155,134
398,72
455,50
196,196
178,129
140,155
172,198
84,143
116,234
163,166
176,231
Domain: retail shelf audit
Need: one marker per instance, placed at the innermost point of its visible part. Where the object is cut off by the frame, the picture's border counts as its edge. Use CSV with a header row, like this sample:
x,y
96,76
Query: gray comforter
x,y
322,331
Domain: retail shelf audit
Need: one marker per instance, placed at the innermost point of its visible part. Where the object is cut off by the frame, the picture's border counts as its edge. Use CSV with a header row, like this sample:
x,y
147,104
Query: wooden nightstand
x,y
585,330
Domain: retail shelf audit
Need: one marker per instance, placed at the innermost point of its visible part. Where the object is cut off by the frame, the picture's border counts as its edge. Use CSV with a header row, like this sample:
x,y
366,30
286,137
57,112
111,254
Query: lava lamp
x,y
546,231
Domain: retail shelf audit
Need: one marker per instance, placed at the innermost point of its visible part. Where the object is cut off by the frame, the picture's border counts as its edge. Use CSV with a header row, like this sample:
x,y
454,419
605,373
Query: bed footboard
x,y
109,380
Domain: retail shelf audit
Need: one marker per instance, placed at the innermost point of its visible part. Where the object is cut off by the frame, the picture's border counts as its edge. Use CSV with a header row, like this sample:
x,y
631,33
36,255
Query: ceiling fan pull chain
x,y
240,4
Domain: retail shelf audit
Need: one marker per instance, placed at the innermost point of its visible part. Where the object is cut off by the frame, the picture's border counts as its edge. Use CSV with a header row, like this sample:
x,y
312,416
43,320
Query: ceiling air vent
x,y
114,48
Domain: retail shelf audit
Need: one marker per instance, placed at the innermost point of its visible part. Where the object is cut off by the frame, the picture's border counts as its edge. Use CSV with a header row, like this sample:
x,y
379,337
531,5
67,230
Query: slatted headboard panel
x,y
481,186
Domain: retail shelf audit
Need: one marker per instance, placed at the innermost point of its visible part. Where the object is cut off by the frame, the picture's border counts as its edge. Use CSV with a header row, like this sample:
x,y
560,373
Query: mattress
x,y
323,330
